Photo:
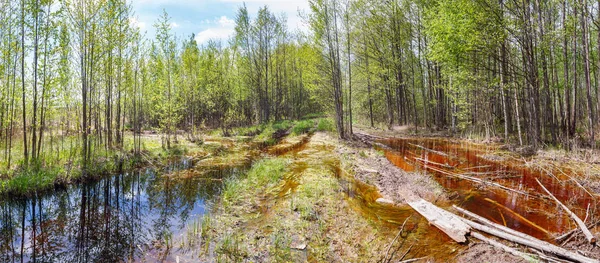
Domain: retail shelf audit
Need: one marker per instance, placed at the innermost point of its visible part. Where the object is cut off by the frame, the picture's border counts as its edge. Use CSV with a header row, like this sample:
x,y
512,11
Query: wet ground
x,y
503,190
141,216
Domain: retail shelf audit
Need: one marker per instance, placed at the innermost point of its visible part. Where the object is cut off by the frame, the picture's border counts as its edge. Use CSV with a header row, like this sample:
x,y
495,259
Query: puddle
x,y
121,218
461,168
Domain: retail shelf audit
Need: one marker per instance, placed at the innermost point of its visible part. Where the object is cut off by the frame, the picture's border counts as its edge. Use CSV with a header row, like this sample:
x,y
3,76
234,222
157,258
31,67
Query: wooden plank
x,y
449,223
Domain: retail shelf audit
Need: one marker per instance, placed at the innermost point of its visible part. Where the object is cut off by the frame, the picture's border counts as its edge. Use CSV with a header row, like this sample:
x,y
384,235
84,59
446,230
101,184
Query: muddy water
x,y
460,168
126,217
361,198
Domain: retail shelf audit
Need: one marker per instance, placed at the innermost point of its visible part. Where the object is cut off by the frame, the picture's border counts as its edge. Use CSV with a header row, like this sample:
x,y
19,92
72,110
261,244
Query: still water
x,y
503,190
133,216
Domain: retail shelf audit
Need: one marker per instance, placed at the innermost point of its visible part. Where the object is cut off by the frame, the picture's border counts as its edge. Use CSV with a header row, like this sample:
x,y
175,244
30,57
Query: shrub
x,y
303,127
325,124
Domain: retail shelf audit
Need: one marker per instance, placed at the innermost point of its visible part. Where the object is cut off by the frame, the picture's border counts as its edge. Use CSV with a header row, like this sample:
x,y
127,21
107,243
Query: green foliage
x,y
303,127
460,27
282,125
31,180
262,175
326,125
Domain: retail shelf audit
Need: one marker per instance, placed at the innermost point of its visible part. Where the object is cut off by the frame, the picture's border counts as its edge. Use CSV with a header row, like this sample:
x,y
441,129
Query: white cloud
x,y
288,7
137,23
223,28
174,25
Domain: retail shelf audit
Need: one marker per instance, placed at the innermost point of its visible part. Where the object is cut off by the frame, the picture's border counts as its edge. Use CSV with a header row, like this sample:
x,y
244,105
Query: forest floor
x,y
578,165
310,197
320,199
328,200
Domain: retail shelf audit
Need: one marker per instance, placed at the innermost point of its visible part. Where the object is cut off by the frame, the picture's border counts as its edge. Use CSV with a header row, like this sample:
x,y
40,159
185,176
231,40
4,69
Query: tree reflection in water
x,y
121,218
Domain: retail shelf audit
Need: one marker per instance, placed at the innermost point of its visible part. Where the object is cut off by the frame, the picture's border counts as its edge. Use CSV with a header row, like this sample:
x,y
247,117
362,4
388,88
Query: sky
x,y
210,19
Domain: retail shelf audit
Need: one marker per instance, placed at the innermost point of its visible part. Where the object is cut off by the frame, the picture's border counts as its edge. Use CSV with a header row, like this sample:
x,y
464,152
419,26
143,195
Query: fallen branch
x,y
477,180
395,238
411,260
574,180
489,223
406,253
568,234
447,166
579,222
477,167
499,245
429,150
531,242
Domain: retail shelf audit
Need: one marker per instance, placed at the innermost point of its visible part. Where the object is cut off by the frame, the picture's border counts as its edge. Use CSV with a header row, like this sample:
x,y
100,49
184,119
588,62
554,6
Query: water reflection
x,y
121,218
461,167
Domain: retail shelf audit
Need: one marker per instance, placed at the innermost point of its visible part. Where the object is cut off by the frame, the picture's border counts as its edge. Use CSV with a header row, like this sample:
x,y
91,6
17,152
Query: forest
x,y
490,99
526,72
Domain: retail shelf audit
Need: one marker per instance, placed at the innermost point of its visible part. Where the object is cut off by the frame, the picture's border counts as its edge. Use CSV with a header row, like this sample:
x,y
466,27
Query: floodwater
x,y
502,190
141,216
135,216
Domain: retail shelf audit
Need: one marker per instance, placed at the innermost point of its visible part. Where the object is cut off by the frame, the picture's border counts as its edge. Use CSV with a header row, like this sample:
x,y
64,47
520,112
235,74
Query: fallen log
x,y
537,244
501,246
591,238
449,223
489,223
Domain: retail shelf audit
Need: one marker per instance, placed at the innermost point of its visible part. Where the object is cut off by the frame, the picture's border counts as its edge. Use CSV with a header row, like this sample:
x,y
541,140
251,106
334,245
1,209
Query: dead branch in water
x,y
447,166
517,216
501,246
406,253
489,223
574,180
394,241
477,167
429,150
576,230
478,180
411,260
579,222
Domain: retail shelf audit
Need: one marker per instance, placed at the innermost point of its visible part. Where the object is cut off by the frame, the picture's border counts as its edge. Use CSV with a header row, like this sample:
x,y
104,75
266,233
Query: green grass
x,y
302,127
325,125
262,175
60,163
42,179
269,130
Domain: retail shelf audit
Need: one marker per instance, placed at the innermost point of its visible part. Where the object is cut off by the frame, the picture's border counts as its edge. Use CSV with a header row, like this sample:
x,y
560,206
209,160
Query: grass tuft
x,y
325,125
